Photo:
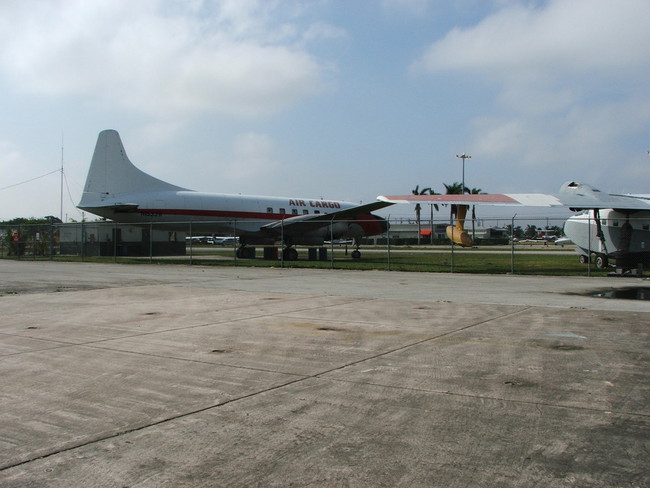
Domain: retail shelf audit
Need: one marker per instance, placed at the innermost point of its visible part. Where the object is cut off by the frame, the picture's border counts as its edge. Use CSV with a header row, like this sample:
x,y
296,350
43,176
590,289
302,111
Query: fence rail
x,y
407,246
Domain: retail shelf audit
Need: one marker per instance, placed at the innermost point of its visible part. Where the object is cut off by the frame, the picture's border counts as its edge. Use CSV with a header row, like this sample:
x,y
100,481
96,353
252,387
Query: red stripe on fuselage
x,y
215,213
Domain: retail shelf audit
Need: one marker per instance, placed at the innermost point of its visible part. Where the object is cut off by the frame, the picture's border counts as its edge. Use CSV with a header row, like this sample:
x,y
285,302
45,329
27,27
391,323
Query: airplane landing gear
x,y
356,254
245,252
289,254
600,260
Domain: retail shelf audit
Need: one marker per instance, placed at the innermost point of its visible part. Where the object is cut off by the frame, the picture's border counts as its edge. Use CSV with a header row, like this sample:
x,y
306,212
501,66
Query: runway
x,y
159,375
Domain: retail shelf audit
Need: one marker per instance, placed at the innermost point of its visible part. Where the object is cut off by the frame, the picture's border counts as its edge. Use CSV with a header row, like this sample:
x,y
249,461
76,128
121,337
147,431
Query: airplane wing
x,y
307,221
527,199
572,195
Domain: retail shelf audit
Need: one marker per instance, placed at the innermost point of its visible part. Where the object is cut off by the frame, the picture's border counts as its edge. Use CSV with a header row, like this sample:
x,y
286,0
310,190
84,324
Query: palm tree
x,y
473,191
531,231
454,188
458,189
418,208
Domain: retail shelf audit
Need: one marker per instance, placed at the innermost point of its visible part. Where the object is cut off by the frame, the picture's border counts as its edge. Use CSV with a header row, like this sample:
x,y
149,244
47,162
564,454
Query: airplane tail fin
x,y
112,174
457,233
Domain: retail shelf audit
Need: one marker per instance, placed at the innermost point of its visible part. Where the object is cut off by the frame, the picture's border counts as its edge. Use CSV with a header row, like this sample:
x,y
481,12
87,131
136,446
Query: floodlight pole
x,y
463,157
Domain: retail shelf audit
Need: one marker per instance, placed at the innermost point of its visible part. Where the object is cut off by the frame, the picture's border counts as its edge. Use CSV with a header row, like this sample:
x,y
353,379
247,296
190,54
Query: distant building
x,y
495,233
410,230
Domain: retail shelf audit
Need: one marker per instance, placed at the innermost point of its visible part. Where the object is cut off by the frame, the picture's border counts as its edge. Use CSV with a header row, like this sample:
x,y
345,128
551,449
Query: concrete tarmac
x,y
151,375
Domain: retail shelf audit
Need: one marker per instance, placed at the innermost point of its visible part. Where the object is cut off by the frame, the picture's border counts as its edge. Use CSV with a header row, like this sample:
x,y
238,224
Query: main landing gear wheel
x,y
356,254
246,252
601,261
583,259
289,254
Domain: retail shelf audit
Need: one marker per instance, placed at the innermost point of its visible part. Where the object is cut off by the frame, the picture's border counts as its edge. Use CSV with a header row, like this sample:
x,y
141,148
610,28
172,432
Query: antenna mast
x,y
61,213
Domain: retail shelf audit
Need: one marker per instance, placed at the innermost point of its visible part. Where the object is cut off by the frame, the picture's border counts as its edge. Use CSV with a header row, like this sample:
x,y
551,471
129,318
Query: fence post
x,y
115,242
19,242
51,243
282,243
150,242
191,243
589,243
332,243
388,243
82,240
512,245
452,247
235,241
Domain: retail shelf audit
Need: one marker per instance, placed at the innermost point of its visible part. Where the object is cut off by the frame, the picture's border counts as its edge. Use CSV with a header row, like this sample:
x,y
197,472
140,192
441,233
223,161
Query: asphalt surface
x,y
153,375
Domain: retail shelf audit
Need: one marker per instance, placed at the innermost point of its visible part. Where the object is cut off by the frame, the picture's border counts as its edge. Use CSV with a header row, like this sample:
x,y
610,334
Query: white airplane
x,y
115,189
611,228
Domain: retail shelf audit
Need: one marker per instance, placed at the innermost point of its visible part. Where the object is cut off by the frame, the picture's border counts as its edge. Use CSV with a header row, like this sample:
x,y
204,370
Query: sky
x,y
339,99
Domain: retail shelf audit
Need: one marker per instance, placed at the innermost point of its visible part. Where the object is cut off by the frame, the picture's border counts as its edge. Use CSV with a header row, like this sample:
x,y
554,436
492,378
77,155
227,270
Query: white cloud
x,y
252,157
321,30
159,57
20,176
520,43
11,162
584,143
411,7
571,79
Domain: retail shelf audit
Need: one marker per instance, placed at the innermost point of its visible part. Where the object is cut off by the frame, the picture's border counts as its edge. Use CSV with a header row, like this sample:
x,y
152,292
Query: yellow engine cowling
x,y
457,232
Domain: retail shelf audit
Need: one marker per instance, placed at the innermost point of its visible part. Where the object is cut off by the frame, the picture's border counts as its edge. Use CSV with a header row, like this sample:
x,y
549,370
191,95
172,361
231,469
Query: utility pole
x,y
463,157
61,209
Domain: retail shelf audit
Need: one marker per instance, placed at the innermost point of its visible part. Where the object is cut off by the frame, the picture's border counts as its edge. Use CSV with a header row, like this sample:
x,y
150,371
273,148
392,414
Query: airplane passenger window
x,y
283,211
269,210
305,212
294,211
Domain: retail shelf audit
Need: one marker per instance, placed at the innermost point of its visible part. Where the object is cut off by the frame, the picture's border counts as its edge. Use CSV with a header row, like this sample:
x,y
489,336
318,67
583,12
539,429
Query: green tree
x,y
473,191
30,235
454,188
530,232
418,207
457,188
517,233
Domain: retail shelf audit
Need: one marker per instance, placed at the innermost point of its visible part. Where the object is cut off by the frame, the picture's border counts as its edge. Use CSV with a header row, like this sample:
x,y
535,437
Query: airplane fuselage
x,y
232,214
117,190
621,234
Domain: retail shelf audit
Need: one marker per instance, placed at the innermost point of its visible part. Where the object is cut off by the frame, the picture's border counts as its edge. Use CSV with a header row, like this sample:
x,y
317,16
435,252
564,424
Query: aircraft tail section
x,y
457,233
112,174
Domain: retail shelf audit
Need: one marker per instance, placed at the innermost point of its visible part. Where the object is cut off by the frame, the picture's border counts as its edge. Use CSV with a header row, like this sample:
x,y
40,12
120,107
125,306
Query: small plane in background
x,y
611,228
117,190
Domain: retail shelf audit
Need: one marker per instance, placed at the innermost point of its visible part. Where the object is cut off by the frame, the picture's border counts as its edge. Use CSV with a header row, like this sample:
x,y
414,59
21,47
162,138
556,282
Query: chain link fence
x,y
501,246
